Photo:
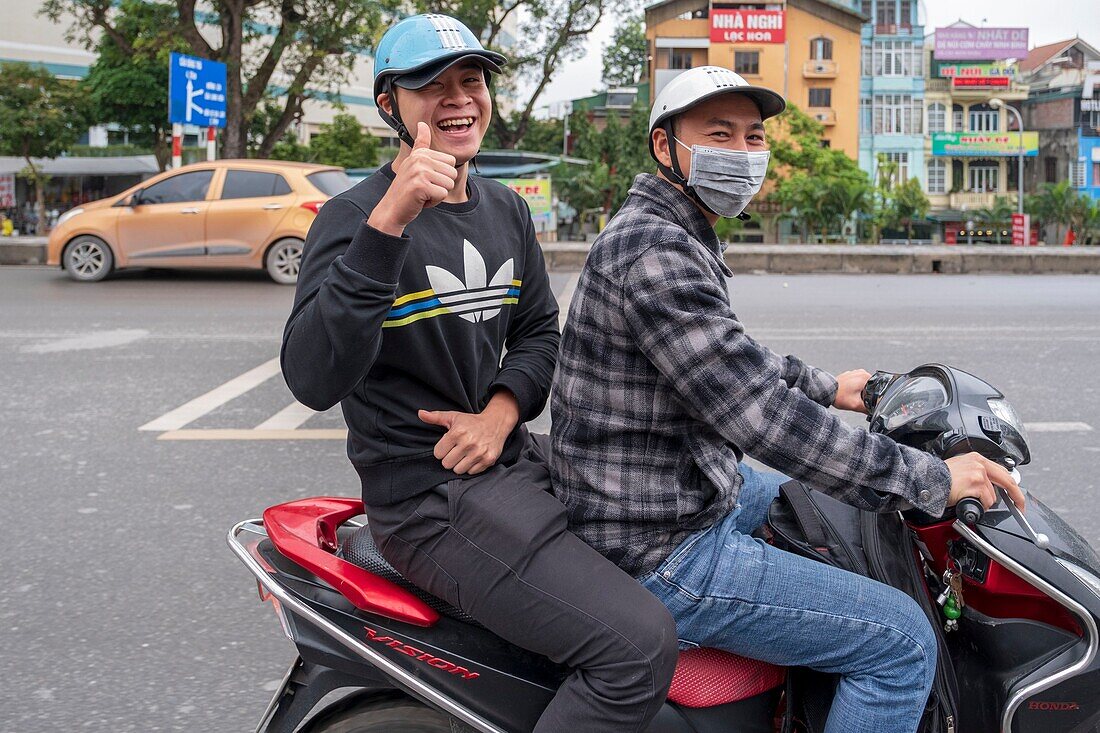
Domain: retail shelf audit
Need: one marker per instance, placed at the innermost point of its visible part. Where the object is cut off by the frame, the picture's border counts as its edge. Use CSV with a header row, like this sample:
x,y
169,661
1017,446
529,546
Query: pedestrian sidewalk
x,y
22,250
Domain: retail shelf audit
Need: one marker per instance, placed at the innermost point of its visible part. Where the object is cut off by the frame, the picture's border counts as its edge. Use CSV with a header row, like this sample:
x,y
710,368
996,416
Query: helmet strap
x,y
676,174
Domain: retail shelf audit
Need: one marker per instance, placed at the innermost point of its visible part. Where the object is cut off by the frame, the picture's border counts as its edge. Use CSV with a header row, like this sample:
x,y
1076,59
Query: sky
x,y
1070,18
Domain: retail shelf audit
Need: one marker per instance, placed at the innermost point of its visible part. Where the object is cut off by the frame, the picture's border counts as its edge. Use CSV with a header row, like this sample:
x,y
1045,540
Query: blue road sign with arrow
x,y
196,91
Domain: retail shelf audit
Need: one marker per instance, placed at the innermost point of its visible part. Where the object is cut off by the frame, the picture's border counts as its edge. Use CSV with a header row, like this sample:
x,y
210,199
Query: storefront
x,y
73,181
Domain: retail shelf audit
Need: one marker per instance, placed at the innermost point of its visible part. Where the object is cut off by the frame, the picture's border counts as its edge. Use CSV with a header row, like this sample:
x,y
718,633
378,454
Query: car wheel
x,y
88,259
283,260
385,716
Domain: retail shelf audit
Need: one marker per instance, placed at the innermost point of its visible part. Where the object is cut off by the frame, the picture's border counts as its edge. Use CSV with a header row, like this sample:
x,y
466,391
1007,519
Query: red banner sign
x,y
971,82
1021,227
747,26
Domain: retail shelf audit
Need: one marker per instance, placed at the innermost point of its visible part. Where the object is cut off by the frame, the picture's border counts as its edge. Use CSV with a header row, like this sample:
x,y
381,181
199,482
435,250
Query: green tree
x,y
820,188
908,204
616,154
129,85
1053,205
624,59
344,143
550,33
40,117
1084,217
312,44
998,216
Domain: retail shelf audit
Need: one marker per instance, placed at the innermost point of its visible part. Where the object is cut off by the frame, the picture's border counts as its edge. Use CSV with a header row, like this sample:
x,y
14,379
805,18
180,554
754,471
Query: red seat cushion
x,y
708,677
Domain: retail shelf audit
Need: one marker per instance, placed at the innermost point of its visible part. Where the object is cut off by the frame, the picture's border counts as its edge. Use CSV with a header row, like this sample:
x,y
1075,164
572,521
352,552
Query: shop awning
x,y
130,165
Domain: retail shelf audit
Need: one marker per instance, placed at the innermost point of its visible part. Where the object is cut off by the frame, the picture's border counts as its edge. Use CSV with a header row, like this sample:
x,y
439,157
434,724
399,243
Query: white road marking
x,y
1057,427
291,417
213,399
566,298
95,340
252,434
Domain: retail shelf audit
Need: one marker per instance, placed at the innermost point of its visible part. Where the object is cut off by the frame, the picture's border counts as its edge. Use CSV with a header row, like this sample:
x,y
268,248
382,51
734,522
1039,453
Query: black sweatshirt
x,y
390,325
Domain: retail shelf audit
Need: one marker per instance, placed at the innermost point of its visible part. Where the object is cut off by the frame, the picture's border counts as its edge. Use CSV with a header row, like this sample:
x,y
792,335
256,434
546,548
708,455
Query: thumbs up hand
x,y
424,179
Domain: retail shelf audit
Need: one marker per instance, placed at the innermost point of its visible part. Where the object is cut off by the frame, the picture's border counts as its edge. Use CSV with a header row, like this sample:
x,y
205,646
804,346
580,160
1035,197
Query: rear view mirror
x,y
135,198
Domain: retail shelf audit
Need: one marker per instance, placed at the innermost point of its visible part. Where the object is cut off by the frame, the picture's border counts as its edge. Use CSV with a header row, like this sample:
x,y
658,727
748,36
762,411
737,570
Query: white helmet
x,y
700,84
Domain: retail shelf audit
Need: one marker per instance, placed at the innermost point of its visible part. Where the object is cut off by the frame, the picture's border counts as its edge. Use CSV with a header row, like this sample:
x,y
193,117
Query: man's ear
x,y
661,147
384,103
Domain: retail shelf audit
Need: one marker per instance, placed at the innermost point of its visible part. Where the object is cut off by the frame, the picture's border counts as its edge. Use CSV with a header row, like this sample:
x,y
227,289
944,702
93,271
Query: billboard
x,y
196,91
536,192
7,190
978,82
747,26
962,44
984,144
950,71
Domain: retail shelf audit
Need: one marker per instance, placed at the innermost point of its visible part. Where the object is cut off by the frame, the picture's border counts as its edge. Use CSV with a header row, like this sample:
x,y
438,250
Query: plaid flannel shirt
x,y
659,391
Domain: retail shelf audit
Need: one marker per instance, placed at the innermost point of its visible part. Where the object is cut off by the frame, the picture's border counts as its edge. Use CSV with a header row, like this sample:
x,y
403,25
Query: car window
x,y
177,189
253,184
330,183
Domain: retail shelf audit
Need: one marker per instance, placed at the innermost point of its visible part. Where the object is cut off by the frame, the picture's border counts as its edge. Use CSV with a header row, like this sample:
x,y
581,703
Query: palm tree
x,y
998,216
1053,205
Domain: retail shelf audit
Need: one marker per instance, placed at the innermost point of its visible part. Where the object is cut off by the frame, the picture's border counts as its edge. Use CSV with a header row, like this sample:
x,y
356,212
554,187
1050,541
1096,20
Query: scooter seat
x,y
359,549
703,677
708,677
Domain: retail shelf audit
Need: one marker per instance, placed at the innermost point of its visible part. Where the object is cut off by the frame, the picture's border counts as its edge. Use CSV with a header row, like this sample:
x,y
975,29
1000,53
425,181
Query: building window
x,y
1050,169
957,175
1095,174
901,161
1077,170
865,115
984,176
937,176
896,58
958,118
1092,120
867,8
821,49
679,58
984,119
746,62
897,114
937,117
821,97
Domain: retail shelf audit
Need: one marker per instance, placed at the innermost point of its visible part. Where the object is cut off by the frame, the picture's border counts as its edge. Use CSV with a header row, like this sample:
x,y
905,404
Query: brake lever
x,y
1041,540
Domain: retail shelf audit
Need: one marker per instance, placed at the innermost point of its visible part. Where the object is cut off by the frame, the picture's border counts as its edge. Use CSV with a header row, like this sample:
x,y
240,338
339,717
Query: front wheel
x,y
384,716
283,260
88,259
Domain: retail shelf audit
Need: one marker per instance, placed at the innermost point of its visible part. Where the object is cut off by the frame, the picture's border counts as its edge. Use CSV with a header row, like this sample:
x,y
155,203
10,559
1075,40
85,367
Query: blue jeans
x,y
727,590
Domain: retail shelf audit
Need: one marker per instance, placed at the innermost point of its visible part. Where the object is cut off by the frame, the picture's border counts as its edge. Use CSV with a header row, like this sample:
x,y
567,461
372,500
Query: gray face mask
x,y
726,180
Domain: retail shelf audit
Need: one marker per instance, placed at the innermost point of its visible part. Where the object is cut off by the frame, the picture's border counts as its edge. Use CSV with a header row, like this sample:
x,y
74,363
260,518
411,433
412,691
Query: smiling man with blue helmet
x,y
424,308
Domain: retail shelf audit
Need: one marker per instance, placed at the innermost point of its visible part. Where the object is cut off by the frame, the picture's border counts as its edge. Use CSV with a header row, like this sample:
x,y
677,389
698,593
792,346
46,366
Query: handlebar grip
x,y
969,510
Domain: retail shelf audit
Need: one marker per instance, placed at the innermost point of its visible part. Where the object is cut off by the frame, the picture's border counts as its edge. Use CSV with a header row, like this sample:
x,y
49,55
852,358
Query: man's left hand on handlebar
x,y
849,393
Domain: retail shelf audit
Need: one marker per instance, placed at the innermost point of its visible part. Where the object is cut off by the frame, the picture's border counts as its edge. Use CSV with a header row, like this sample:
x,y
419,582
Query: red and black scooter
x,y
1023,645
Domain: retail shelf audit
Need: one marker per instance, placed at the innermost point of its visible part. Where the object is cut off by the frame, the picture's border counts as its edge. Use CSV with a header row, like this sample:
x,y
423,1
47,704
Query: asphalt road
x,y
123,610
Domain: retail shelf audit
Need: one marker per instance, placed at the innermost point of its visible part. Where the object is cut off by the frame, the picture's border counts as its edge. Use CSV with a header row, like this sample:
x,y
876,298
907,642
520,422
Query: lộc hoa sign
x,y
747,26
984,144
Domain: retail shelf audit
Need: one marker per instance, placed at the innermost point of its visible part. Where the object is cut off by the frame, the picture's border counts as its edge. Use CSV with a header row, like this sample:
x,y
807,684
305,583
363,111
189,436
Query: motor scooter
x,y
1019,594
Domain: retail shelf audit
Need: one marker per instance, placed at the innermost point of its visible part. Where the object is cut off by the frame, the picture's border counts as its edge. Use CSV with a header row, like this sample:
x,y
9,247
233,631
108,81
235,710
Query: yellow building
x,y
808,50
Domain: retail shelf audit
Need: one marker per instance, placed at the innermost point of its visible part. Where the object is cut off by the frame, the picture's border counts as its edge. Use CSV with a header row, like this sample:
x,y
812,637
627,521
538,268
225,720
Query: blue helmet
x,y
418,49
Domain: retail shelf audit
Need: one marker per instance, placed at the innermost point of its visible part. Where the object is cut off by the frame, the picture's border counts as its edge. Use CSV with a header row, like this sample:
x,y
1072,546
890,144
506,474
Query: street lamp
x,y
997,103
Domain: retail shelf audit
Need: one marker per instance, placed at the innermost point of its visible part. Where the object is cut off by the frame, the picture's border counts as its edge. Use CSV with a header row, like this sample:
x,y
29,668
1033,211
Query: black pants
x,y
496,546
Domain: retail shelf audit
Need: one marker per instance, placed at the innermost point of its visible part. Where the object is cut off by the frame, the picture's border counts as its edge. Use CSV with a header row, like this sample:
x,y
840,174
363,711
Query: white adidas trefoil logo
x,y
475,300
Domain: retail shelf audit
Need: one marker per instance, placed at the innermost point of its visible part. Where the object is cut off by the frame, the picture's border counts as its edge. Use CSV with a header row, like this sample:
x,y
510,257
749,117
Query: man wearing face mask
x,y
659,393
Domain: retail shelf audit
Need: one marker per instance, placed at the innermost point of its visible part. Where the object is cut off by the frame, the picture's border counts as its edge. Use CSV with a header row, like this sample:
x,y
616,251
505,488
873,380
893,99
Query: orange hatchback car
x,y
224,213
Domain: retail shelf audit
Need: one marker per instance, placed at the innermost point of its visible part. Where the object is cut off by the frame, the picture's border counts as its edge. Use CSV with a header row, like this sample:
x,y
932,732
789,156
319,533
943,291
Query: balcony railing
x,y
892,29
823,69
967,200
824,115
